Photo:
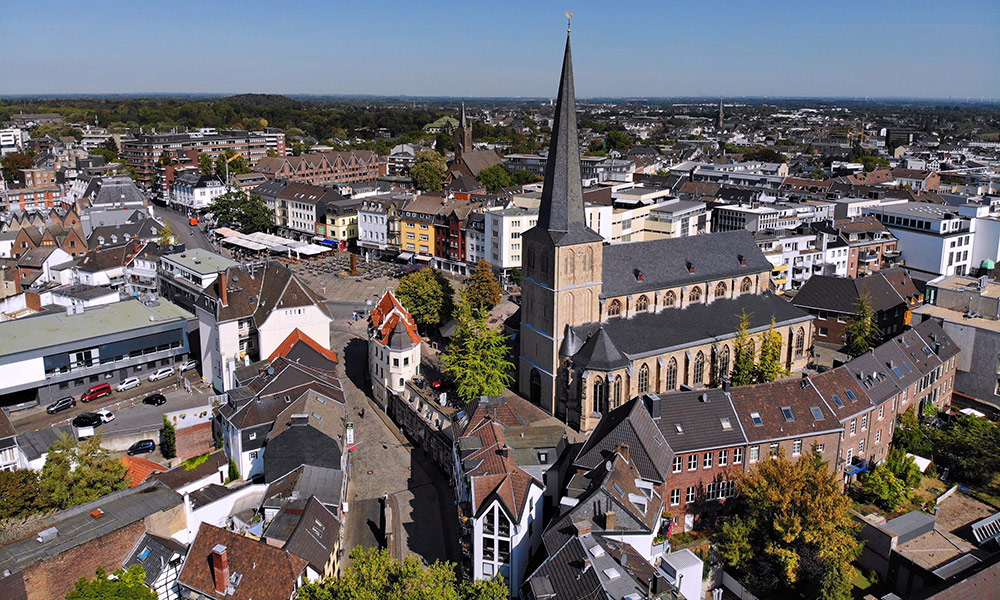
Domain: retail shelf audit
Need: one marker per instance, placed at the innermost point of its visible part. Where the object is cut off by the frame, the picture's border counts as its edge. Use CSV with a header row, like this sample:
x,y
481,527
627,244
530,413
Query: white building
x,y
935,239
249,311
393,348
373,224
196,191
11,140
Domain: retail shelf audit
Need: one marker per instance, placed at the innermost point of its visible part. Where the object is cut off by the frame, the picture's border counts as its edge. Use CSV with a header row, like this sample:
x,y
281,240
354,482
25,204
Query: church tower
x,y
722,121
463,136
563,261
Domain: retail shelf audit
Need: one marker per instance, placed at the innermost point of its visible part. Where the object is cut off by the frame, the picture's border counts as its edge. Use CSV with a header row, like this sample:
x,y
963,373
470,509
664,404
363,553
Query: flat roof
x,y
956,316
201,261
41,331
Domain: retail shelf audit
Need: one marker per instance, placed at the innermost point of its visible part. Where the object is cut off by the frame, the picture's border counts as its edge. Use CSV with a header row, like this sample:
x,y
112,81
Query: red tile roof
x,y
295,337
497,474
139,469
389,313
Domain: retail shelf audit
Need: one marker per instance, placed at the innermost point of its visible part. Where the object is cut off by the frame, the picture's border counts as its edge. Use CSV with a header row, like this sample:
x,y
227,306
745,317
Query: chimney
x,y
582,527
223,289
586,565
220,569
623,451
725,384
609,520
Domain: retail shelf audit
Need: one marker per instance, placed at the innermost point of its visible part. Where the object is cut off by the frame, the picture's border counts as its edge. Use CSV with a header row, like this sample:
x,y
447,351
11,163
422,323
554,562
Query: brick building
x,y
324,168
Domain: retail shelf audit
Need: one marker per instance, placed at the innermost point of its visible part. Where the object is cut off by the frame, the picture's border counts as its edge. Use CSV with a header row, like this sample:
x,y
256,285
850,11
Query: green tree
x,y
910,435
111,146
120,585
205,163
494,178
618,140
764,154
769,366
428,171
903,467
882,488
249,215
14,162
862,332
523,177
168,439
744,370
476,358
166,234
374,575
969,447
790,533
20,493
109,156
444,143
484,290
428,297
234,471
75,473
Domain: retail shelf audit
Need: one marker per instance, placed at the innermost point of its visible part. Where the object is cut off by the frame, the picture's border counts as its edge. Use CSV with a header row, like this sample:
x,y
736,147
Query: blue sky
x,y
503,48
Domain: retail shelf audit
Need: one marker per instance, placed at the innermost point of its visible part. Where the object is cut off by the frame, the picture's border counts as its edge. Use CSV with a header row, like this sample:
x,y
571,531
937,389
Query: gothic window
x,y
745,285
643,379
720,290
618,391
695,295
615,308
670,299
699,368
672,374
642,304
724,362
600,396
800,342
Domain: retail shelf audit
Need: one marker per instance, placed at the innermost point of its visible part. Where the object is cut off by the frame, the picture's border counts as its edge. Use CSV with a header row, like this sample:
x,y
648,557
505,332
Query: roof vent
x,y
47,535
690,267
742,259
97,513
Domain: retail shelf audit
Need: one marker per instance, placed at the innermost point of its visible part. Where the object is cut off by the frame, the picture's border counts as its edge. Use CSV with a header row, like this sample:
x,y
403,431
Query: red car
x,y
96,391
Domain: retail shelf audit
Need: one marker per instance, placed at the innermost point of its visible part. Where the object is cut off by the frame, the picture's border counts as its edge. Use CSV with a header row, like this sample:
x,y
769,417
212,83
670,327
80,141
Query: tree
x,y
111,146
427,295
879,486
523,177
494,178
476,359
428,171
120,585
205,163
744,368
166,234
75,473
235,209
20,493
109,157
374,575
903,467
444,143
910,436
789,533
234,471
484,291
764,154
969,447
14,162
618,140
769,367
862,332
168,439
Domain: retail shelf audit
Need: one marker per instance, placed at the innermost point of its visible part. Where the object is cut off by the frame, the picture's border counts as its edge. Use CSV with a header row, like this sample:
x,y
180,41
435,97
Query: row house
x,y
450,237
54,235
324,168
304,211
691,446
130,267
417,227
195,191
379,220
339,226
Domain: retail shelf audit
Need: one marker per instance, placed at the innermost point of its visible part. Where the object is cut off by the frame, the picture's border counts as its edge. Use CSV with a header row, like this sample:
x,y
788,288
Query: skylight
x,y
850,394
679,428
144,553
817,413
838,401
786,411
755,417
618,489
898,372
726,424
909,369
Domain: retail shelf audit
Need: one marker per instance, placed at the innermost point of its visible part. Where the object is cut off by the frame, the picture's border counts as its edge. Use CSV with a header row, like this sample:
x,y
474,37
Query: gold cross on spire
x,y
569,21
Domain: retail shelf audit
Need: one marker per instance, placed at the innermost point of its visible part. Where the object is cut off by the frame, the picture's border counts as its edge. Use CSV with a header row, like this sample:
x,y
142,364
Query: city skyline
x,y
777,49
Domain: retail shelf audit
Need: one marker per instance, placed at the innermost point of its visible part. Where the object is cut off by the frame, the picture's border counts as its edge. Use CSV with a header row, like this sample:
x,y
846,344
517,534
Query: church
x,y
602,323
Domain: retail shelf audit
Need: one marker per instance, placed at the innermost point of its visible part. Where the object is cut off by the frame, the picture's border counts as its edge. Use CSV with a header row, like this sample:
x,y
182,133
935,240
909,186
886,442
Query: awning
x,y
331,243
227,232
244,243
780,268
405,255
423,258
856,468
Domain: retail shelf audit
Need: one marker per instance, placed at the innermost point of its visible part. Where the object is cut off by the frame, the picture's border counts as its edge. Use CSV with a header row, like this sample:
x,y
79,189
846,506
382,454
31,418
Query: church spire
x,y
463,114
561,207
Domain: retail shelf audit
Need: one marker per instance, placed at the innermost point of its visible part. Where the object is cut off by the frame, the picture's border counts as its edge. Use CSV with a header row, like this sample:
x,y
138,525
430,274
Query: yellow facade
x,y
342,227
416,236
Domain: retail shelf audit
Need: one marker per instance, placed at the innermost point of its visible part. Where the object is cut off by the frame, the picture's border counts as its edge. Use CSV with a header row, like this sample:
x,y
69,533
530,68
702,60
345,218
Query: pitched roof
x,y
268,573
140,468
296,346
303,482
628,424
392,325
153,553
841,294
696,420
309,431
180,475
256,292
315,536
767,400
491,470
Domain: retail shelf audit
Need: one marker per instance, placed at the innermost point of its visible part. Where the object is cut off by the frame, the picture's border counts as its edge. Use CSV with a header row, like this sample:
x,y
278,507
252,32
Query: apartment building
x,y
195,191
678,218
324,168
184,276
393,349
416,227
934,239
870,245
339,226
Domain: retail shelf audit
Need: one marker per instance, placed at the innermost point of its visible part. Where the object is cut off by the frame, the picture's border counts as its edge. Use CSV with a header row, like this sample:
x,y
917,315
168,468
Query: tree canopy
x,y
249,215
769,366
862,332
97,473
427,295
888,484
744,371
15,161
790,533
484,290
428,171
476,358
120,585
494,178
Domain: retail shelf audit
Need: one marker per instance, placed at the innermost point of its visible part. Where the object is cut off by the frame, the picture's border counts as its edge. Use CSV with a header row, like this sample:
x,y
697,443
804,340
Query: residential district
x,y
229,355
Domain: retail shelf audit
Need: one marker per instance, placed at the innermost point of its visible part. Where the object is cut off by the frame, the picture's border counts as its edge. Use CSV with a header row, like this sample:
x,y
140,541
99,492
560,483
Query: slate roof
x,y
316,442
180,475
153,553
840,294
665,263
649,334
628,424
302,483
767,399
268,573
600,353
35,443
105,258
491,470
255,295
145,229
562,573
706,419
315,535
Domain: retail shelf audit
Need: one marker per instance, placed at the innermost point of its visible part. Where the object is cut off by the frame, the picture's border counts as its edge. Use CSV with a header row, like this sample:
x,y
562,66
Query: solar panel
x,y
838,401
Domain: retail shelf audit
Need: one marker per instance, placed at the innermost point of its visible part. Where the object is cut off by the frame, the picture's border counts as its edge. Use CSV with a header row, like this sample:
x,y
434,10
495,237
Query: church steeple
x,y
722,121
561,209
463,136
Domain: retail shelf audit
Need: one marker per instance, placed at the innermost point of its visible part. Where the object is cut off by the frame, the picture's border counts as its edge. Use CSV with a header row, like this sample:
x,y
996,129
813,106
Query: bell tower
x,y
563,261
463,136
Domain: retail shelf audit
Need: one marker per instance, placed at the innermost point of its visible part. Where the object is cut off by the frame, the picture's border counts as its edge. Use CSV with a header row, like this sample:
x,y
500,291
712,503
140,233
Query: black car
x,y
87,419
142,447
60,405
155,399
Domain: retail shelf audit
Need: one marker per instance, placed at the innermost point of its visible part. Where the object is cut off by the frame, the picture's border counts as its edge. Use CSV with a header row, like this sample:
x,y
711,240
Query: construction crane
x,y
228,160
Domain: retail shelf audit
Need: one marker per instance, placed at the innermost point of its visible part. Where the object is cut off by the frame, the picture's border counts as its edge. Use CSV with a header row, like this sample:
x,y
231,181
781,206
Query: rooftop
x,y
203,262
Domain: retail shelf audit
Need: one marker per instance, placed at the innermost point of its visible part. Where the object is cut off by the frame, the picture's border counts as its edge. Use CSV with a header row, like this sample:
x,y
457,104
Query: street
x,y
184,233
423,516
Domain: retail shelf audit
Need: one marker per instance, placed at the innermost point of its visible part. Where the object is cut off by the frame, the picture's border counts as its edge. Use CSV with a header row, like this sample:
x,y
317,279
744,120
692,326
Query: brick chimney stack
x,y
220,569
623,451
223,289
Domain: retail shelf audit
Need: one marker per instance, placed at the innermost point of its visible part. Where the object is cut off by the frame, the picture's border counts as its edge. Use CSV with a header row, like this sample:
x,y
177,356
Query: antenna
x,y
569,21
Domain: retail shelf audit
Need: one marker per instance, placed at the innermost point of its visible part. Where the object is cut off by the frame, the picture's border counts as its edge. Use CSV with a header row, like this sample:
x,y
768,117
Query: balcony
x,y
868,257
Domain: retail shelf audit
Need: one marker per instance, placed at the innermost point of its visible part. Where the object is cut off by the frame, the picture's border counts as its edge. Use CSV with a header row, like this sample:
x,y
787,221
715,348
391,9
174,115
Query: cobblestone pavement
x,y
422,517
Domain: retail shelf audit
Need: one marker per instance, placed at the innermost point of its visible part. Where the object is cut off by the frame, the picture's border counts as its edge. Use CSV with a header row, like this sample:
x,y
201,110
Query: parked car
x,y
142,447
96,391
155,400
61,404
162,374
188,365
105,415
127,384
87,419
